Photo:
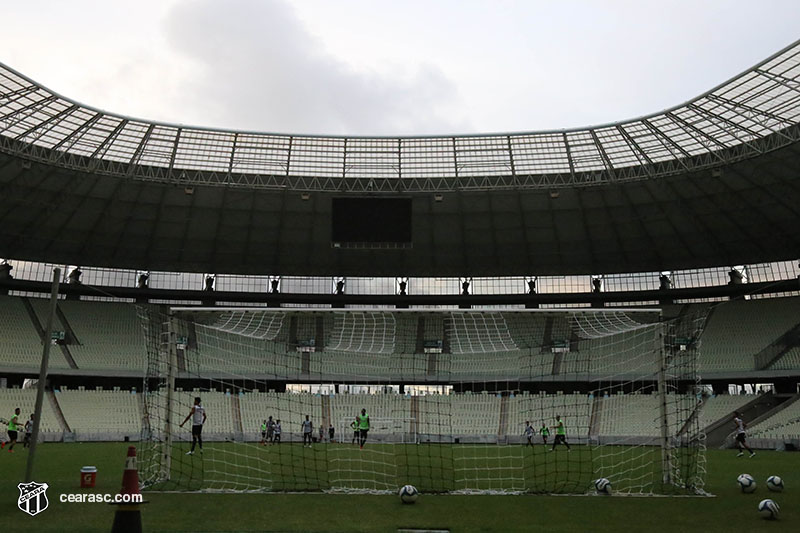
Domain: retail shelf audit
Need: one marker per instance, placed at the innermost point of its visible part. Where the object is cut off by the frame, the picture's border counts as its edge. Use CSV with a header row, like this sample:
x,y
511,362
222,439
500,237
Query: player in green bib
x,y
363,427
264,433
544,432
561,434
13,428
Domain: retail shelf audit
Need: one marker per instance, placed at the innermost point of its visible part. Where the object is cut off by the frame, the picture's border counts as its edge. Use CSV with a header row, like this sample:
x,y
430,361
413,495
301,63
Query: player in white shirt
x,y
270,430
28,432
198,416
354,425
308,427
276,438
741,435
528,434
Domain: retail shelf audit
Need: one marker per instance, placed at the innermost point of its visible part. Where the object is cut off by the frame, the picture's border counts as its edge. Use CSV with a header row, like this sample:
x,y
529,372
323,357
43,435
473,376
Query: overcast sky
x,y
390,67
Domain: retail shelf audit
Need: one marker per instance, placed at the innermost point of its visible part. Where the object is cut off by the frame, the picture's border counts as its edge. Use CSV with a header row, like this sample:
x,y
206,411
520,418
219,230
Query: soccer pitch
x,y
58,465
431,468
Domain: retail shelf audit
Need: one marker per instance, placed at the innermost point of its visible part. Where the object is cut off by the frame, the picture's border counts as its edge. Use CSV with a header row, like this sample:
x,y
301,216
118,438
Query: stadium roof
x,y
713,181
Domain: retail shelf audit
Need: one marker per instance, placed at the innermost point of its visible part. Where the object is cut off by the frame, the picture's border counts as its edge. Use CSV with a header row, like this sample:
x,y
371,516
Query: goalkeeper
x,y
363,427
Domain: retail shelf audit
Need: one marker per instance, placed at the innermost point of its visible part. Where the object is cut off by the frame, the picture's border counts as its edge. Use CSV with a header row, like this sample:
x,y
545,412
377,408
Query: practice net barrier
x,y
461,401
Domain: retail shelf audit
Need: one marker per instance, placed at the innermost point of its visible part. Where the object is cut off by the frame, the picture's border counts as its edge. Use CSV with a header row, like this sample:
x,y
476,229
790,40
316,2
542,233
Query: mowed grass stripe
x,y
59,466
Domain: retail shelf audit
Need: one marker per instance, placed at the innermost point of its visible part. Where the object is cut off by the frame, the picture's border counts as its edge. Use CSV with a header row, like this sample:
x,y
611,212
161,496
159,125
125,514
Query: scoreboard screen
x,y
371,220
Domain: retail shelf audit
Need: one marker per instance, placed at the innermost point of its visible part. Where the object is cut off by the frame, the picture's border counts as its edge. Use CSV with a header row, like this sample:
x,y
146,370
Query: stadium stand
x,y
738,330
25,399
629,415
21,345
483,366
542,408
109,335
719,406
433,328
218,408
289,408
369,365
231,354
459,414
109,414
381,409
784,423
406,333
527,329
788,361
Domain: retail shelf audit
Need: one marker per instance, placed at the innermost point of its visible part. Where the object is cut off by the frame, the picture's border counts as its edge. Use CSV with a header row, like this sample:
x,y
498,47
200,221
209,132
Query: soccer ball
x,y
768,509
602,486
775,483
746,483
409,494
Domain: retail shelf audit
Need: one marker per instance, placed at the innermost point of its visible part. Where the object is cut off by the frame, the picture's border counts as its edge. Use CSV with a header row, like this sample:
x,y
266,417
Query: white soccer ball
x,y
602,486
746,483
775,483
768,509
409,494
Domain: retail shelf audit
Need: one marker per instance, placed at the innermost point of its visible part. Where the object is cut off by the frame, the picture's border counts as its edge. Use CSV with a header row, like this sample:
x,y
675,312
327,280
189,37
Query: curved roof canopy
x,y
717,184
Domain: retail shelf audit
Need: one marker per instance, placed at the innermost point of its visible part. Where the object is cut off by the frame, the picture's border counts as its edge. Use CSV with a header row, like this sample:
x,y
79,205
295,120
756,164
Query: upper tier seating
x,y
738,330
20,345
233,355
100,411
527,329
110,335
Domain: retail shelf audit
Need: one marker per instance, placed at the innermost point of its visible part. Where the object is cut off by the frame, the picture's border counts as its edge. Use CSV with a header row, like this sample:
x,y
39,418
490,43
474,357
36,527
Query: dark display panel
x,y
384,220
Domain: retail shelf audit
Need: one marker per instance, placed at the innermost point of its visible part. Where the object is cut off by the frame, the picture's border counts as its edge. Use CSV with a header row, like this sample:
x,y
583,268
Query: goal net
x,y
456,401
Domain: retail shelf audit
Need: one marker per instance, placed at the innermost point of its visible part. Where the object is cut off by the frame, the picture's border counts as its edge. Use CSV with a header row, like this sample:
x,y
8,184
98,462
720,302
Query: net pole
x,y
172,351
43,374
661,354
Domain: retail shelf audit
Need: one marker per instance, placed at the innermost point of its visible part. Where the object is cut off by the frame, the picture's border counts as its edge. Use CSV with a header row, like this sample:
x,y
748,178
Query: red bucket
x,y
88,477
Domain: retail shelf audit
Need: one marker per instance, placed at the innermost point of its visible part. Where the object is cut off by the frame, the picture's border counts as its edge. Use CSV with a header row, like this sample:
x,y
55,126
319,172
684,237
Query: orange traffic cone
x,y
128,518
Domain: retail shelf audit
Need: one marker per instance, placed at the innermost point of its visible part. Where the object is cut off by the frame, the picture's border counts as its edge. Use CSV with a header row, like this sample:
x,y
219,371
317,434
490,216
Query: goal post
x,y
666,466
381,430
469,401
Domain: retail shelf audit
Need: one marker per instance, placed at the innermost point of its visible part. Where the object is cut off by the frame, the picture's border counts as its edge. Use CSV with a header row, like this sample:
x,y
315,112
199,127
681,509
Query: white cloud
x,y
387,67
259,68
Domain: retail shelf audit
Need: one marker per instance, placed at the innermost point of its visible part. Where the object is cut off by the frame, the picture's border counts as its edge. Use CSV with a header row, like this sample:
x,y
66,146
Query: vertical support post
x,y
172,354
43,375
661,354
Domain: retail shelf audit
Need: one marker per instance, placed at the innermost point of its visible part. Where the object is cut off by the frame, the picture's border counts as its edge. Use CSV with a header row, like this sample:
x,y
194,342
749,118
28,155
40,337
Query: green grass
x,y
59,465
432,468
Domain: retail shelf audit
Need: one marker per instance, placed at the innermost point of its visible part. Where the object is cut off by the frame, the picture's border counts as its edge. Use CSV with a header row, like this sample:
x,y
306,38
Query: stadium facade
x,y
708,183
691,205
